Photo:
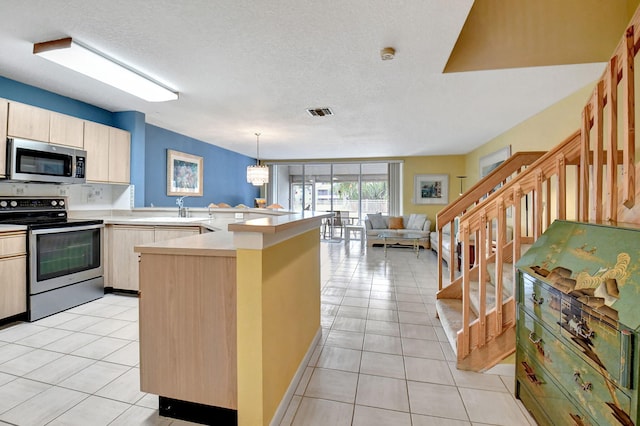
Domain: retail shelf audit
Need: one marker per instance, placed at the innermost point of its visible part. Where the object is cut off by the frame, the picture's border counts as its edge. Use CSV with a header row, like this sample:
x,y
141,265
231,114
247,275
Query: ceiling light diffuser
x,y
79,58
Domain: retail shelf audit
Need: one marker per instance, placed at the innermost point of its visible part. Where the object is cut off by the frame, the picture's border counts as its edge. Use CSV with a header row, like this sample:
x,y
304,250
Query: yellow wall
x,y
451,165
278,317
539,133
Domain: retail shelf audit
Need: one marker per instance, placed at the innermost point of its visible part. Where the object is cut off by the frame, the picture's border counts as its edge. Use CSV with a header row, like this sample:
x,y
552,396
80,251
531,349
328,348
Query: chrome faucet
x,y
182,211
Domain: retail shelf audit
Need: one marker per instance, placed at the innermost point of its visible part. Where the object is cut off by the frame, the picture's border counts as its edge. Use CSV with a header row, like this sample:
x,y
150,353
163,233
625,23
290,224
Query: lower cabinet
x,y
123,262
13,270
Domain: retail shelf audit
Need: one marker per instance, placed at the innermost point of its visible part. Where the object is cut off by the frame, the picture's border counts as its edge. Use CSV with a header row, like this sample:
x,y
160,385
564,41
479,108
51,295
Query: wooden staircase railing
x,y
474,195
590,176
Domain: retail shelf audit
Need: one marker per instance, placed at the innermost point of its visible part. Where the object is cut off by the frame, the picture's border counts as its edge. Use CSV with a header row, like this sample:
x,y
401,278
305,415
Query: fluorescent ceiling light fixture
x,y
79,58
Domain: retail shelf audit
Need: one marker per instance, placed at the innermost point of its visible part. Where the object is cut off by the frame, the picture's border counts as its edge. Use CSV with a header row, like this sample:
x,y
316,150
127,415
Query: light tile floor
x,y
382,360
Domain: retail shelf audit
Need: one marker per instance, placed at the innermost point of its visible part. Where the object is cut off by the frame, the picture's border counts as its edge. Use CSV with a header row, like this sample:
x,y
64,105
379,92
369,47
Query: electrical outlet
x,y
62,191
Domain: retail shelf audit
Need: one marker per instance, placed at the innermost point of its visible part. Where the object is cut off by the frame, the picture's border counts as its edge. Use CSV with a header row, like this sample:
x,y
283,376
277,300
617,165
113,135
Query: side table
x,y
353,228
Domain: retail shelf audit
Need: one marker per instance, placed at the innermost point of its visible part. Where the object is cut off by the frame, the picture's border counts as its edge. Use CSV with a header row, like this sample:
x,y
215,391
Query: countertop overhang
x,y
257,233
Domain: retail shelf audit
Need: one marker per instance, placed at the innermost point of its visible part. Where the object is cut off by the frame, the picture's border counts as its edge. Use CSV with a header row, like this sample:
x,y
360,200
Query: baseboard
x,y
288,395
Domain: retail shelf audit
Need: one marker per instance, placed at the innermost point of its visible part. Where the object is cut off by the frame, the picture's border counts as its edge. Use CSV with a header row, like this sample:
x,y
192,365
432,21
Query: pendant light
x,y
258,175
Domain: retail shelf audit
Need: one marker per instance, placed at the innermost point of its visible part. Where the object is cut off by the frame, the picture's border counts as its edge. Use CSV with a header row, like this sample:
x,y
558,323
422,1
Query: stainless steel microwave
x,y
33,161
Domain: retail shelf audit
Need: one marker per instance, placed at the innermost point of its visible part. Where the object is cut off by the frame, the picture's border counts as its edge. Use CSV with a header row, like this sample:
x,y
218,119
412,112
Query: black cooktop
x,y
39,212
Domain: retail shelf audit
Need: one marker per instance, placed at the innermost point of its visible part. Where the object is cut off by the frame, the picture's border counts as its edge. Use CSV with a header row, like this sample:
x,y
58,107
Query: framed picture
x,y
184,174
431,189
489,162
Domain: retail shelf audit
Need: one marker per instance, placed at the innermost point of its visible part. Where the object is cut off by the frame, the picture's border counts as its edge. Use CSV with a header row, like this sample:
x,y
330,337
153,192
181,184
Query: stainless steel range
x,y
64,255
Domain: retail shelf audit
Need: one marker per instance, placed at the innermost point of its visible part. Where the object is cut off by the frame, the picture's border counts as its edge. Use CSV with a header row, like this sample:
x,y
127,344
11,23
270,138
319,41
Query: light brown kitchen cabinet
x,y
66,130
119,155
108,153
13,270
29,122
163,233
4,111
96,143
123,265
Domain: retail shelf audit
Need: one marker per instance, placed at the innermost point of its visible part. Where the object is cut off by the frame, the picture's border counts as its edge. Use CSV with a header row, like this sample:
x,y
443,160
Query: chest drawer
x,y
542,301
588,386
607,351
543,397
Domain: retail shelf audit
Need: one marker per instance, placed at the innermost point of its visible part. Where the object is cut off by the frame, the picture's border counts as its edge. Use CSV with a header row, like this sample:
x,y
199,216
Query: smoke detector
x,y
319,112
388,53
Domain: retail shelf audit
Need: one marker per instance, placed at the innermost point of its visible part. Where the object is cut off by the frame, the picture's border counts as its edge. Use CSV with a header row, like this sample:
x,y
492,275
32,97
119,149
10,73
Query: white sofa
x,y
376,224
446,243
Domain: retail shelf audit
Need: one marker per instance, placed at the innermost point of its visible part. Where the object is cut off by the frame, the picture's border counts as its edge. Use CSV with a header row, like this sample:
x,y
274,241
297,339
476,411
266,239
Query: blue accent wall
x,y
134,122
225,172
31,95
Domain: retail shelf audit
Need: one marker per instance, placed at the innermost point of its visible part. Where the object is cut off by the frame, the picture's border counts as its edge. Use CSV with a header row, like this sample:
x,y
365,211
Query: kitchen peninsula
x,y
229,319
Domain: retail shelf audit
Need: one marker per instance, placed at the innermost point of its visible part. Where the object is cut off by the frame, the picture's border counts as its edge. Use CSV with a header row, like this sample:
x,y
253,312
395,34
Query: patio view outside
x,y
353,189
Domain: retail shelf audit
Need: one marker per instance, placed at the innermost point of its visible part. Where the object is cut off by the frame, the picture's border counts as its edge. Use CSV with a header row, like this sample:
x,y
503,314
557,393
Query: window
x,y
356,189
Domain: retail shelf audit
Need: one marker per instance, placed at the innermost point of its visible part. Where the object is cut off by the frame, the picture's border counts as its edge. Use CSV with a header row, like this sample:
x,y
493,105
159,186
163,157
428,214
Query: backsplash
x,y
90,196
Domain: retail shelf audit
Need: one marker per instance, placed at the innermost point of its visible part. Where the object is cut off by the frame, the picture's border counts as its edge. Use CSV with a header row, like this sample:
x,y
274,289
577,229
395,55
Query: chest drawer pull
x,y
579,327
532,338
537,342
535,299
531,374
586,386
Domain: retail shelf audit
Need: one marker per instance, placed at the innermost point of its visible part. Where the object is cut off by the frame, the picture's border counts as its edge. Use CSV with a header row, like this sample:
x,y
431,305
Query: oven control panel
x,y
18,204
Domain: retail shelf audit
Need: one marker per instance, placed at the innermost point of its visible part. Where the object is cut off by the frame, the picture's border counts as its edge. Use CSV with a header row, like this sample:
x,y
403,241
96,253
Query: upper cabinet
x,y
29,122
108,153
96,143
66,130
26,121
119,155
108,148
4,111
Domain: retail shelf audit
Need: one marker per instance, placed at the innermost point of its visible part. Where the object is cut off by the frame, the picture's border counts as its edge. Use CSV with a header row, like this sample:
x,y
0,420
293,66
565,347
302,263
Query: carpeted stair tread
x,y
450,314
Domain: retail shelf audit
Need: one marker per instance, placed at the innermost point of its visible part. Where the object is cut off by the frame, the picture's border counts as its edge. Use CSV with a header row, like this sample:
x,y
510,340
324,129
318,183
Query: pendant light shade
x,y
258,175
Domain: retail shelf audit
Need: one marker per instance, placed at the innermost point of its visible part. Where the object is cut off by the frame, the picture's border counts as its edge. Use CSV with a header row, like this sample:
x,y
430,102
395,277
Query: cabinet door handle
x,y
586,386
535,299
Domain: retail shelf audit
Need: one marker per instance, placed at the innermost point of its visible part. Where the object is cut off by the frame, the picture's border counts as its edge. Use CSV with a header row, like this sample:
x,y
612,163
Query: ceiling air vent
x,y
319,112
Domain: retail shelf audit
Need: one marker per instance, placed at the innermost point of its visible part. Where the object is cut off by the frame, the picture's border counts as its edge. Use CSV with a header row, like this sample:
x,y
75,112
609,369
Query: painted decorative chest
x,y
577,352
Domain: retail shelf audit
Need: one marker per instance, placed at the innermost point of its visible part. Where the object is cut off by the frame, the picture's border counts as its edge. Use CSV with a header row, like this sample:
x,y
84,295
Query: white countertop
x,y
12,228
254,233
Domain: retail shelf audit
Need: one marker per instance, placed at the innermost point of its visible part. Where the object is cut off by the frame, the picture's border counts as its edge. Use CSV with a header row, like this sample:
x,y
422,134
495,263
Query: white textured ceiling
x,y
246,66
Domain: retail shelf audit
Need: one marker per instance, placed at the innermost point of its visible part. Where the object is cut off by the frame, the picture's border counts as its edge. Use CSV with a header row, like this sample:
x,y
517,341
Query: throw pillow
x,y
377,222
416,221
396,223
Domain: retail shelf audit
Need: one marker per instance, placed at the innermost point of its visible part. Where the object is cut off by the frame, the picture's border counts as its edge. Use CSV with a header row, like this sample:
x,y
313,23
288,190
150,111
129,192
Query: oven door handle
x,y
65,229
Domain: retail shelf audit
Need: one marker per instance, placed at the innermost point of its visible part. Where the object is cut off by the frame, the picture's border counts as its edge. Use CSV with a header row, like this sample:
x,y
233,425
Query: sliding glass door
x,y
354,189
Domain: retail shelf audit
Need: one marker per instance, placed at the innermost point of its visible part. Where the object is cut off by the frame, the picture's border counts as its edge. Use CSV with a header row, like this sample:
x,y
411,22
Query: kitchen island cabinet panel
x,y
182,299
